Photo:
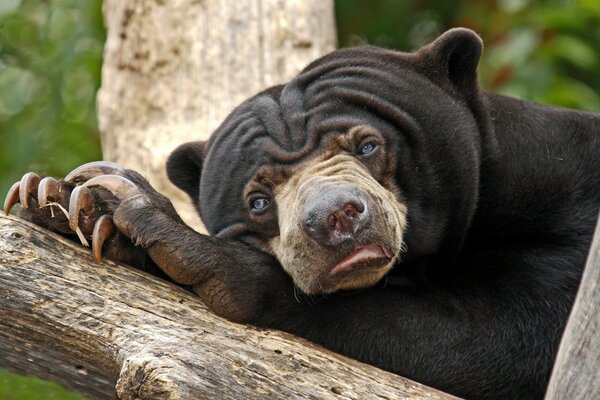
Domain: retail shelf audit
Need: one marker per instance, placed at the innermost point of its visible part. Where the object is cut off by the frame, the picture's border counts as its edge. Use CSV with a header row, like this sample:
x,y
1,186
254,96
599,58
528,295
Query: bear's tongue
x,y
363,255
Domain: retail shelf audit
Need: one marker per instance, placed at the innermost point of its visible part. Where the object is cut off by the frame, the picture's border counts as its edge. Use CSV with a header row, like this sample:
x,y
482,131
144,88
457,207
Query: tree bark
x,y
94,326
174,69
576,373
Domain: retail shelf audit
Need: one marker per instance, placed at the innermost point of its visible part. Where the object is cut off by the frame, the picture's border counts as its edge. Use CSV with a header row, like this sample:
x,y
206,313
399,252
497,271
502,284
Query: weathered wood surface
x,y
173,70
89,325
576,373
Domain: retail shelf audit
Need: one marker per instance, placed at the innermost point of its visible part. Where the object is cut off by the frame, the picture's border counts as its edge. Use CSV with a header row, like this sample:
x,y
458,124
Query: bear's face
x,y
339,221
367,158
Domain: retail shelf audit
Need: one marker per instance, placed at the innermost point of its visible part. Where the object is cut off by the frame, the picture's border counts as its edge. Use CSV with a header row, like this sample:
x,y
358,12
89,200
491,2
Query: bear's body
x,y
440,231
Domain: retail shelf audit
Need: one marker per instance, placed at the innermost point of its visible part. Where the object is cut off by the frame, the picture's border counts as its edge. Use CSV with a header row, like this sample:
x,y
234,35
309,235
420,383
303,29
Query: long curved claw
x,y
121,187
29,184
48,188
81,200
103,228
12,197
93,169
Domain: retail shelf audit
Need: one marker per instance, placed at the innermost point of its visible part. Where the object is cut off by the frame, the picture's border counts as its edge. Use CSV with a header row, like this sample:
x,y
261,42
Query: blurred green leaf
x,y
17,87
592,6
50,58
18,33
572,93
9,6
513,6
63,24
574,50
16,387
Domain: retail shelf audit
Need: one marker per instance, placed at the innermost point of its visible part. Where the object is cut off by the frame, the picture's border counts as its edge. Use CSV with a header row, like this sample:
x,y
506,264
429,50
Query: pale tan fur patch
x,y
309,262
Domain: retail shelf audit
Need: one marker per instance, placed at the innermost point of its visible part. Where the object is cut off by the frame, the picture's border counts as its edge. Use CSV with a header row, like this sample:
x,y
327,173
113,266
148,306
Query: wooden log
x,y
576,372
109,330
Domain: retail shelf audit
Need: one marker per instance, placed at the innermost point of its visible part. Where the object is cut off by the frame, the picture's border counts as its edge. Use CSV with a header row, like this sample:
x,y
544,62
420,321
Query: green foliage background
x,y
50,59
16,387
51,53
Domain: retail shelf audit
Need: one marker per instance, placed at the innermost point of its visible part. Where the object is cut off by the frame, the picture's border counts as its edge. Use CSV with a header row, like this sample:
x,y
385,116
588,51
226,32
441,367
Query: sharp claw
x,y
121,187
28,185
92,170
47,188
81,200
103,228
12,197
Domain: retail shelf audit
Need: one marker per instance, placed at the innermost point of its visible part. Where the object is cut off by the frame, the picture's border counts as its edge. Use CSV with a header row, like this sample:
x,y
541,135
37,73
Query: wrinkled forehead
x,y
287,125
261,134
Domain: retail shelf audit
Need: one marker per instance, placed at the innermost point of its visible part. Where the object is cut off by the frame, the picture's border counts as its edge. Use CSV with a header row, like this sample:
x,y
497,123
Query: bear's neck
x,y
538,181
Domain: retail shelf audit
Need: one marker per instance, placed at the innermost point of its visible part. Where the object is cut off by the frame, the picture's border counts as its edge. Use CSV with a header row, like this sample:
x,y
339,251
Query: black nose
x,y
335,214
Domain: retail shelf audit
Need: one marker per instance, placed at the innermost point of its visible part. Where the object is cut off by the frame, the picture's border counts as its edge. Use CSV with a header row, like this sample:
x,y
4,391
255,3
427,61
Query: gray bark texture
x,y
174,69
576,373
96,327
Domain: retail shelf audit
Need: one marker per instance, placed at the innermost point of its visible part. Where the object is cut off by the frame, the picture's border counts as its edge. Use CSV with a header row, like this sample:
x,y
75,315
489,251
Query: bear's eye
x,y
367,148
259,204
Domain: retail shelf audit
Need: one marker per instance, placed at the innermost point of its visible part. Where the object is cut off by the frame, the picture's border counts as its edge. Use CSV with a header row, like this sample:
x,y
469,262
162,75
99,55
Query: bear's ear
x,y
454,56
184,167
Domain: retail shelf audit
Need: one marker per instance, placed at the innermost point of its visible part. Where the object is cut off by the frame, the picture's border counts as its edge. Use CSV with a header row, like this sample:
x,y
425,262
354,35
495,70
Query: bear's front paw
x,y
91,201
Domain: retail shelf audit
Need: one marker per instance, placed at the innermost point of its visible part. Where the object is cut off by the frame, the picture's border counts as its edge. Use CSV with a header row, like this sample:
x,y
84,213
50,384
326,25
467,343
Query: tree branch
x,y
576,372
93,326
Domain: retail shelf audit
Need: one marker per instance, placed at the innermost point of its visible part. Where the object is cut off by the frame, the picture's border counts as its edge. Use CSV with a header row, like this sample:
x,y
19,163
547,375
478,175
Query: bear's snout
x,y
336,214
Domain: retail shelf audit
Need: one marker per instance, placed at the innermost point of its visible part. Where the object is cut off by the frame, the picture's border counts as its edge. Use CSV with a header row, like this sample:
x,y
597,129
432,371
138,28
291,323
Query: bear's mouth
x,y
369,256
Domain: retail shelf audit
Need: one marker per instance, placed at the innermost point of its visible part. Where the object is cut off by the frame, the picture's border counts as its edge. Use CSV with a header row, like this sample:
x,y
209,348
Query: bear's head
x,y
368,158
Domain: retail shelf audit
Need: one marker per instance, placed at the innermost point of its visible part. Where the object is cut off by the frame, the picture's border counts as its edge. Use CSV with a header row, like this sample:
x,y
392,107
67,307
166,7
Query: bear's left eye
x,y
367,148
259,204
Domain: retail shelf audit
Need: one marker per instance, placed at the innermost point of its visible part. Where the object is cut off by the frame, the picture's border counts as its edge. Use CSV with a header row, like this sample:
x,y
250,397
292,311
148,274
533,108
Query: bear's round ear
x,y
454,56
184,167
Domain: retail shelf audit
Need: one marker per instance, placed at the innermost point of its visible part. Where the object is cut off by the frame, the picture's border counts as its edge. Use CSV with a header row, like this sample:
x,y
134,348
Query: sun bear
x,y
380,204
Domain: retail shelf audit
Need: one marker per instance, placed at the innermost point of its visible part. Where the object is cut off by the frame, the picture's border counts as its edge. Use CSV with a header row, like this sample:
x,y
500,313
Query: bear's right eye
x,y
367,148
259,203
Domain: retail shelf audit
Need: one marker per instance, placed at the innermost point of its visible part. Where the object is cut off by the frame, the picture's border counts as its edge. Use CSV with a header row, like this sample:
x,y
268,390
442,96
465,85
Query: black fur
x,y
502,197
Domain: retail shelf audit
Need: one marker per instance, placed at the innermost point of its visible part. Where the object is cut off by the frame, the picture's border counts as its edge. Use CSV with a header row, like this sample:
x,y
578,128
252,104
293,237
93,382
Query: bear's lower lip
x,y
366,256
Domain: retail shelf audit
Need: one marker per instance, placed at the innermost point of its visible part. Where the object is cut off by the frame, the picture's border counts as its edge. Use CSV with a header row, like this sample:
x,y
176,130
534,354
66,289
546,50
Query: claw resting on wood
x,y
12,197
29,184
103,228
81,200
48,188
121,187
93,169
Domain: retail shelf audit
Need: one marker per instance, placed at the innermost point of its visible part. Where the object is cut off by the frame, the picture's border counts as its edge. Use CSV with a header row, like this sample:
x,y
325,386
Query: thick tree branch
x,y
576,373
93,326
